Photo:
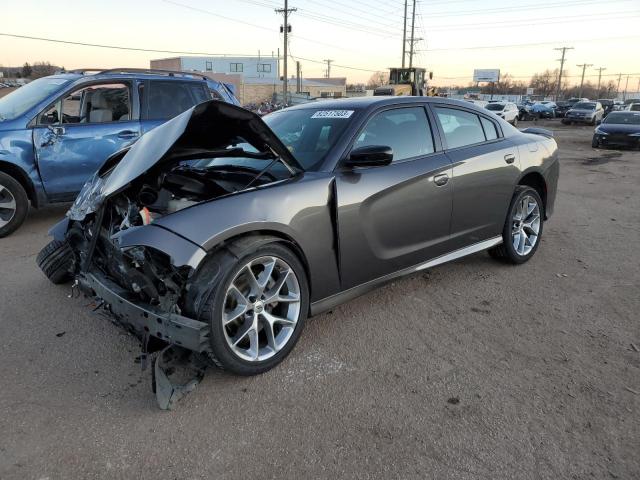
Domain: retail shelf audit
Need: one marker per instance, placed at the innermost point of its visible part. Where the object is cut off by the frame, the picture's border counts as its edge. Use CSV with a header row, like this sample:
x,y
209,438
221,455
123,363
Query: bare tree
x,y
42,69
377,79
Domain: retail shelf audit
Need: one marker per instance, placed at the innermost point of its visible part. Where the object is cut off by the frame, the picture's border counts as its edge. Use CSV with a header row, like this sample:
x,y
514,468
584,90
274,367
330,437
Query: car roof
x,y
123,74
365,103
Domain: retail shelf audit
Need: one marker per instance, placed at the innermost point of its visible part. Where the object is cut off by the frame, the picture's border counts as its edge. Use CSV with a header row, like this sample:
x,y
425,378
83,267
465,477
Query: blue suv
x,y
55,132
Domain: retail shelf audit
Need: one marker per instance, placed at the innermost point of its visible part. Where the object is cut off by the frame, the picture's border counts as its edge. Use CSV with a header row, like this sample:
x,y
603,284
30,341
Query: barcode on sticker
x,y
332,114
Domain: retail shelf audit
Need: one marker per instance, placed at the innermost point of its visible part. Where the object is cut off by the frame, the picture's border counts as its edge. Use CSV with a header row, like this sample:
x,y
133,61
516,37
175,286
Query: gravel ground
x,y
473,370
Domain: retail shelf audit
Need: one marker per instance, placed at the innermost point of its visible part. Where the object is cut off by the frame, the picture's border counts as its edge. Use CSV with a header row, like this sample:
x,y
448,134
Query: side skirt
x,y
342,297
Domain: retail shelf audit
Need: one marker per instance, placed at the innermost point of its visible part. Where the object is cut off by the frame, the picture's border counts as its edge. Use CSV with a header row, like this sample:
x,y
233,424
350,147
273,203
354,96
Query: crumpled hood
x,y
209,125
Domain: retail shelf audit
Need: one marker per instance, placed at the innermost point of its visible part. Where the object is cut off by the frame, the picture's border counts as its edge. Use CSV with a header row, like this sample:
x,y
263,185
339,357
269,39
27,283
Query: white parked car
x,y
509,111
634,107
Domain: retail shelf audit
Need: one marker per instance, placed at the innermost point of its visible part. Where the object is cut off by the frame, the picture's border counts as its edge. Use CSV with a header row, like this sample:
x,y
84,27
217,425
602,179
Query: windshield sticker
x,y
332,114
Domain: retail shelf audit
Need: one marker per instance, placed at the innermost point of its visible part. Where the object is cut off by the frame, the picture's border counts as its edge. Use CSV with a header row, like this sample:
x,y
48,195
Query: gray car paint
x,y
356,228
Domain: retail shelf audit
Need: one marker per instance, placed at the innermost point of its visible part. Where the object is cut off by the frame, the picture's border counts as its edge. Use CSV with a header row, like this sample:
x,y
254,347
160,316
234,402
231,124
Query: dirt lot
x,y
473,370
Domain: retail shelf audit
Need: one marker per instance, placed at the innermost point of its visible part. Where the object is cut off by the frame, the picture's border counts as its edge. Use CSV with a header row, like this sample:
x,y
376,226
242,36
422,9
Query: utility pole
x,y
600,69
618,87
413,23
328,74
564,49
624,95
298,84
285,29
404,34
584,67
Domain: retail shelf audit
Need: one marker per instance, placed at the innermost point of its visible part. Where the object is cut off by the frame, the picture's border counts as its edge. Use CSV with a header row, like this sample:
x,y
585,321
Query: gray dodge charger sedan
x,y
220,232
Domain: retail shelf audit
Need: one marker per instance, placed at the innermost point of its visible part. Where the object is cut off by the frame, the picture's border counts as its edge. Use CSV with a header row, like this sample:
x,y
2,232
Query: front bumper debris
x,y
142,320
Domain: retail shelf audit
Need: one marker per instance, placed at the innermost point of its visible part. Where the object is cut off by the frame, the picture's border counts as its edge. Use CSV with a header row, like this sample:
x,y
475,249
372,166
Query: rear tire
x,y
14,204
57,261
515,121
521,225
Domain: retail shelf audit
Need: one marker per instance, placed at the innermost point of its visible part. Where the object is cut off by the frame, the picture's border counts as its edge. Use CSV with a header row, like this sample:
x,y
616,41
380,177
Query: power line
x,y
515,45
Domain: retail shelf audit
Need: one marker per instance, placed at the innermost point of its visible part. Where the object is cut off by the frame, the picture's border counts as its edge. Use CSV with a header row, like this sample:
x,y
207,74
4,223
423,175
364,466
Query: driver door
x,y
74,136
395,216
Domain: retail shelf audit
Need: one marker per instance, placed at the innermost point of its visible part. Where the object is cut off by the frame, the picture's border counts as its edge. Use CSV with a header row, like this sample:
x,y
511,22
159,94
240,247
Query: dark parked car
x,y
56,131
221,232
564,106
584,112
544,109
607,105
619,129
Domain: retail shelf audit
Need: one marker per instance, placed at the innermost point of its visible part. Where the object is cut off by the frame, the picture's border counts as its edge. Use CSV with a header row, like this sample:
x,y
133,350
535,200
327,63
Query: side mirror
x,y
370,156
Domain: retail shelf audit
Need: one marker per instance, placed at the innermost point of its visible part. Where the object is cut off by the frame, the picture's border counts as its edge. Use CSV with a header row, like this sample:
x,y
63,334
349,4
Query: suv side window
x,y
170,98
97,103
405,130
460,128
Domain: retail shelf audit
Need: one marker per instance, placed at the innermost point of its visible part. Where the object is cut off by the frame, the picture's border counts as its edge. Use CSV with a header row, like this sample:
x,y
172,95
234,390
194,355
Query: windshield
x,y
496,107
584,106
622,118
309,134
24,98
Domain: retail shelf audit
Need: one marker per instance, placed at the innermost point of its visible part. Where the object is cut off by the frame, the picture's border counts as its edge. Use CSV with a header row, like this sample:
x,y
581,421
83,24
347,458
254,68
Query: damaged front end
x,y
139,271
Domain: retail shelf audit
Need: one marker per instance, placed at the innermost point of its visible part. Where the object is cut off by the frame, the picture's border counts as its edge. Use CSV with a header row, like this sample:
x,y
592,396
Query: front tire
x,y
523,227
57,261
594,142
257,307
14,204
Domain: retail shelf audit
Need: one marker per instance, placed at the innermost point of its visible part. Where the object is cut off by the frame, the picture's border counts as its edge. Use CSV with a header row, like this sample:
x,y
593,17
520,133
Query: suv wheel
x,y
515,121
523,228
14,204
257,308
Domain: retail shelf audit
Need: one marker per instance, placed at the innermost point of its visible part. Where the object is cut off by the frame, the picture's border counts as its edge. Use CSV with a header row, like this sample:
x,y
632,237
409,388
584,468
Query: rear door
x,y
485,170
164,99
75,135
395,216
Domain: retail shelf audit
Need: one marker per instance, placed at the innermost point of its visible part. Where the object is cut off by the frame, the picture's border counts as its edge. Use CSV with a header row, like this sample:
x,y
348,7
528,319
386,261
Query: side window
x,y
460,128
235,67
405,130
101,103
489,129
168,99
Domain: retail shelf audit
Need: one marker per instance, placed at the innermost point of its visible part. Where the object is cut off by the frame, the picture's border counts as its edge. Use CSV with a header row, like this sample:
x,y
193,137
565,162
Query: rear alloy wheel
x,y
14,204
258,311
523,227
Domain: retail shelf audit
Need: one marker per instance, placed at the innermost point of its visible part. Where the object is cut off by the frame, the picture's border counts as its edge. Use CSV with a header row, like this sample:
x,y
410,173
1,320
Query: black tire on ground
x,y
57,261
594,142
515,121
13,190
505,251
593,122
224,265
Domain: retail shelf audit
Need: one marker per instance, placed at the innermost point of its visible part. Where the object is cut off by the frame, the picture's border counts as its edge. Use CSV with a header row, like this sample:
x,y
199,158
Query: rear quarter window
x,y
169,98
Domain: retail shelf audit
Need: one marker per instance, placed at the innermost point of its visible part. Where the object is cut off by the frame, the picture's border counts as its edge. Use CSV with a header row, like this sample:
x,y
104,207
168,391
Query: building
x,y
255,79
249,67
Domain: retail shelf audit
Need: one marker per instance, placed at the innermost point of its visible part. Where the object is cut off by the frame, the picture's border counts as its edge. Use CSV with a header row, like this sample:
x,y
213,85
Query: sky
x,y
360,36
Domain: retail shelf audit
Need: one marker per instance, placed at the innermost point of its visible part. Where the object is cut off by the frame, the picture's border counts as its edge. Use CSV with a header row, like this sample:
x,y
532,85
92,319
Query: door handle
x,y
441,179
509,158
127,134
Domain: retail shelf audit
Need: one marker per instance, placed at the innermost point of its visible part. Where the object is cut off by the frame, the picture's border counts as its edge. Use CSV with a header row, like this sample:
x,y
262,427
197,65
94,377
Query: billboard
x,y
486,75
